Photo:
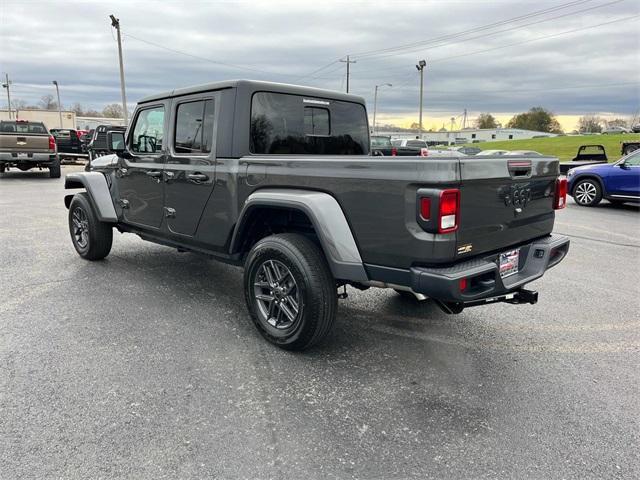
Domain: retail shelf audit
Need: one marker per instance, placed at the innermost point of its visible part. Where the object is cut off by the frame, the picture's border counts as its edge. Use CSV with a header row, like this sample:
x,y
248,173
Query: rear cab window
x,y
283,124
22,127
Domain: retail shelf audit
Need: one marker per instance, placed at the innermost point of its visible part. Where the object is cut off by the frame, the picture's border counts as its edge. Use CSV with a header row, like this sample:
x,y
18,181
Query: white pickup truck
x,y
25,145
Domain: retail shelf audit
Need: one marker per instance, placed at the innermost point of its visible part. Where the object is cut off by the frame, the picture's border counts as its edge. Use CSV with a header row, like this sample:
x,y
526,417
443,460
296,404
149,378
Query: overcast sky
x,y
573,57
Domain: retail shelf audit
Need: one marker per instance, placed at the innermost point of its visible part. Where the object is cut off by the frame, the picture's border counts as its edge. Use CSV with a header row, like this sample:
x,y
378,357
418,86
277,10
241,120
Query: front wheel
x,y
290,291
91,238
587,193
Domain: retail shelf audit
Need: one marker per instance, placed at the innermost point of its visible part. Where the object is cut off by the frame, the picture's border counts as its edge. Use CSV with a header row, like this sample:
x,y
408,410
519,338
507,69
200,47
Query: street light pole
x,y
6,85
55,82
420,67
115,22
375,103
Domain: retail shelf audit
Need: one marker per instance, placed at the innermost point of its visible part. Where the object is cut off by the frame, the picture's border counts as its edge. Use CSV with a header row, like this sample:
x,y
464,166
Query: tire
x,y
2,167
587,192
305,281
54,169
93,240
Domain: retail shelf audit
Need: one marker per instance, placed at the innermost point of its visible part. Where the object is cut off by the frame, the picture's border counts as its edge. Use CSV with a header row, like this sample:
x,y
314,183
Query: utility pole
x,y
348,62
55,82
464,119
420,66
115,23
375,103
6,85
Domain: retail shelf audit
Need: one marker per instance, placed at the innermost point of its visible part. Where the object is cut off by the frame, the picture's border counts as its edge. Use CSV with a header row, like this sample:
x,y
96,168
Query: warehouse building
x,y
468,135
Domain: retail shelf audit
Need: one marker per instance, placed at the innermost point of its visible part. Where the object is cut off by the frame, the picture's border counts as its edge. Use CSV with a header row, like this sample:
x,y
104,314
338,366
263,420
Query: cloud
x,y
504,69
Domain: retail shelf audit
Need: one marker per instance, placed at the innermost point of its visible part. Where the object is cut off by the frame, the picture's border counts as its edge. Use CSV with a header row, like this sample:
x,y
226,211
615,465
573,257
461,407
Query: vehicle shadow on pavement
x,y
18,174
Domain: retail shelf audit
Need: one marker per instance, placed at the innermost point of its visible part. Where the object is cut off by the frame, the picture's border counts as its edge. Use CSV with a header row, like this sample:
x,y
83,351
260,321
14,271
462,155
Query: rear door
x,y
140,173
504,201
190,169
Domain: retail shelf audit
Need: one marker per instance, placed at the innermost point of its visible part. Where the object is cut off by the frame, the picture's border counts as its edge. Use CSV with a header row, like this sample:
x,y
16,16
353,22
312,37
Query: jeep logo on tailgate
x,y
518,196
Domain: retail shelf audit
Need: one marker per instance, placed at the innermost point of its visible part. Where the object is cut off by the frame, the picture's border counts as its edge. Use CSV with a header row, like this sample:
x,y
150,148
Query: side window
x,y
633,160
316,121
148,132
194,127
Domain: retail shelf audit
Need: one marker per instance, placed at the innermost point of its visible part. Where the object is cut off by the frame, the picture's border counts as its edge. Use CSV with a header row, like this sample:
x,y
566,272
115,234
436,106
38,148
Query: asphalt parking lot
x,y
145,365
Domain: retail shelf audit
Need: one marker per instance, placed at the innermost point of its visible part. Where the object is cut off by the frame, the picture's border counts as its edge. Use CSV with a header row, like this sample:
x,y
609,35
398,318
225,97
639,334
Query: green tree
x,y
486,120
538,119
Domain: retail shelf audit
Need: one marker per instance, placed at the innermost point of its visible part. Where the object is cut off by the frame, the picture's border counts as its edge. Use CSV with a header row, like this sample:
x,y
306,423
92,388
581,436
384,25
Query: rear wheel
x,y
2,167
587,193
91,238
290,291
54,169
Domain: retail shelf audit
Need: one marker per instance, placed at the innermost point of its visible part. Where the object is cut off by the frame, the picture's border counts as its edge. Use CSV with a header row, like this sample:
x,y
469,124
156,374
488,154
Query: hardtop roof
x,y
253,86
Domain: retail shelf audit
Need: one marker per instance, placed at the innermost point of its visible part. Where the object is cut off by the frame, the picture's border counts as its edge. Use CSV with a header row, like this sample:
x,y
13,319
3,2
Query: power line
x,y
472,30
421,49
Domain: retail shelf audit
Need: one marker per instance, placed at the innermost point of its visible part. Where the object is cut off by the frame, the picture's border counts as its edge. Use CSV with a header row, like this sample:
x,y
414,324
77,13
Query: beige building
x,y
50,118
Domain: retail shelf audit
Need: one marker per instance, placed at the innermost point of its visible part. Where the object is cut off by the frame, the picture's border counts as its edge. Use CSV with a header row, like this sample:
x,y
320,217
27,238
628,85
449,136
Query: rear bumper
x,y
35,158
482,275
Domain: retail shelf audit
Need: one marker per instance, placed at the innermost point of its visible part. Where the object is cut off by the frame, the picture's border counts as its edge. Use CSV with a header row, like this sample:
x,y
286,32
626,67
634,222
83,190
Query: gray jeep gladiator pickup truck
x,y
279,179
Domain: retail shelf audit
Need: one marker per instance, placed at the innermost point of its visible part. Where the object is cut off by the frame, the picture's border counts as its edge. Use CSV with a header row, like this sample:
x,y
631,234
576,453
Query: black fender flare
x,y
96,186
328,220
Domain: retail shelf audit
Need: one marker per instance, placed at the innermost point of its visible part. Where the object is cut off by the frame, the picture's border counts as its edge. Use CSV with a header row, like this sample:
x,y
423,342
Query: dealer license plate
x,y
509,262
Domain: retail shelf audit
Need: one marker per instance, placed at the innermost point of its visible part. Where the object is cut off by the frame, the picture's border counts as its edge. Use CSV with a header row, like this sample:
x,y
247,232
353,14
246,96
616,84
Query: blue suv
x,y
617,182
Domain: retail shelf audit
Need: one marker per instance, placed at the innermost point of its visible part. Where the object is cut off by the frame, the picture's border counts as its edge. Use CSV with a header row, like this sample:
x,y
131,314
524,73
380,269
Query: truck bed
x,y
379,196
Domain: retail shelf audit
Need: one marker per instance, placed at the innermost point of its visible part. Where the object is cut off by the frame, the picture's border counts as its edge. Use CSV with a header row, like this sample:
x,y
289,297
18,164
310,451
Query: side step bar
x,y
516,298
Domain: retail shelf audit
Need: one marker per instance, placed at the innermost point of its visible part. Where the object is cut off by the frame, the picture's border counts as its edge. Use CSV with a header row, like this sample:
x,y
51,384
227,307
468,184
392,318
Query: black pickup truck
x,y
280,179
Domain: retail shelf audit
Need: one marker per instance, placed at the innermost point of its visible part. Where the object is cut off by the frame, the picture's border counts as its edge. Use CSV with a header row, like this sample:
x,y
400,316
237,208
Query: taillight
x,y
560,196
448,210
52,143
425,208
424,152
394,152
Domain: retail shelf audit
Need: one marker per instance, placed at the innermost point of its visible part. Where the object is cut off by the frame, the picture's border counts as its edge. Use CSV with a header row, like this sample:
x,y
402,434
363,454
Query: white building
x,y
88,123
50,118
469,135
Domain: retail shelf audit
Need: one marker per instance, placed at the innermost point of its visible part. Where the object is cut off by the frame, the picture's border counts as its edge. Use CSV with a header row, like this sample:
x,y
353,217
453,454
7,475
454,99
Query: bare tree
x,y
617,122
47,102
590,124
113,110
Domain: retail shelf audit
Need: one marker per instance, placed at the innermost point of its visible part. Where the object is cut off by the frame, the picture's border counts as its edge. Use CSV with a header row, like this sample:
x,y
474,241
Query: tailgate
x,y
28,142
504,201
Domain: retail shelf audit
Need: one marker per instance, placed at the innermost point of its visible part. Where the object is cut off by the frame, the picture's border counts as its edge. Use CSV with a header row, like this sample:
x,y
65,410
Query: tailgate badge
x,y
465,248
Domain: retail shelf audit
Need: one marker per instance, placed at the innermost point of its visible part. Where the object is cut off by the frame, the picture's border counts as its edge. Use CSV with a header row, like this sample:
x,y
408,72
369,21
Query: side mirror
x,y
624,166
116,142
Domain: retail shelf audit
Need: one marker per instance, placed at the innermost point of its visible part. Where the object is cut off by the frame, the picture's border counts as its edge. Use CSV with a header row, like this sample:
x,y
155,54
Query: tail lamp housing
x,y
439,210
52,142
560,194
394,152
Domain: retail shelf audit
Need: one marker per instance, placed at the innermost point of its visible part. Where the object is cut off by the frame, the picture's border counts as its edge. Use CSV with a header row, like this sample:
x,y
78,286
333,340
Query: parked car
x,y
615,130
492,153
523,153
627,147
278,179
381,145
440,152
25,145
467,150
587,155
636,128
68,141
617,182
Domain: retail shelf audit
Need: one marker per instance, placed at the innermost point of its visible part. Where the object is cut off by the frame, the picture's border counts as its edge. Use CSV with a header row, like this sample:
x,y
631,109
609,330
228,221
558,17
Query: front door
x,y
190,169
140,170
624,179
